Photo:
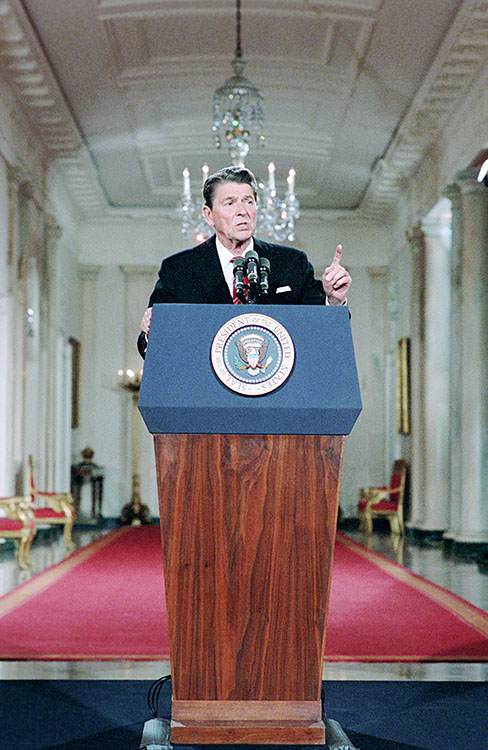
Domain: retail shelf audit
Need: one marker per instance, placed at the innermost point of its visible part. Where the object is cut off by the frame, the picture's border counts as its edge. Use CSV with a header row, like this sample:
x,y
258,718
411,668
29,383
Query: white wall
x,y
6,481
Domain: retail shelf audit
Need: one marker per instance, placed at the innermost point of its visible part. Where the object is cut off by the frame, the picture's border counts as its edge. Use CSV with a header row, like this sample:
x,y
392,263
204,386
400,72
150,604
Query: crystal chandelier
x,y
238,107
238,114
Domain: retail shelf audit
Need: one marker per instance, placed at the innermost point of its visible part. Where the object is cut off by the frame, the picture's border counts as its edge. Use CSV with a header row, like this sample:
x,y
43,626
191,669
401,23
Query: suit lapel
x,y
211,276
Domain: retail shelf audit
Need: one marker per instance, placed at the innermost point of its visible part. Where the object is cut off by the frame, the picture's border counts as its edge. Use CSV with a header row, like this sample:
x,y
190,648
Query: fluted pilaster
x,y
416,239
437,233
430,244
453,193
474,356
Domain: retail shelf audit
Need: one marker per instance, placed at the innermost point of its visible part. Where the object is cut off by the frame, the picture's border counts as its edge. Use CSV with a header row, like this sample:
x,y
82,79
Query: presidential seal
x,y
252,354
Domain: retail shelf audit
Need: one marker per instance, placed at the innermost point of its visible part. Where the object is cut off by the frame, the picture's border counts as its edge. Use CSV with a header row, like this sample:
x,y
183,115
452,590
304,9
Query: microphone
x,y
252,261
264,269
239,271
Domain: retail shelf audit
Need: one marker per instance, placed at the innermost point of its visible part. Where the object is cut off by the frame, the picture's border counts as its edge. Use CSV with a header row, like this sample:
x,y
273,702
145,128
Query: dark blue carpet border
x,y
377,715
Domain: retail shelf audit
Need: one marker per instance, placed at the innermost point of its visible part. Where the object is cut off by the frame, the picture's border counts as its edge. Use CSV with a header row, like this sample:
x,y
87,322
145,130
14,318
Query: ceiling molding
x,y
452,73
323,9
34,84
41,98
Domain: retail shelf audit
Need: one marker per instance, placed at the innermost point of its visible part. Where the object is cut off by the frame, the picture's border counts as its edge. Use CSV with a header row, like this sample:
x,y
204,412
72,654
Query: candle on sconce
x,y
291,182
271,176
186,183
205,171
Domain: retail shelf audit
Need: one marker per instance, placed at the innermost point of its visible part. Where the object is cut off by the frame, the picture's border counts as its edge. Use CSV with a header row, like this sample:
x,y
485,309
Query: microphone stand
x,y
256,271
239,279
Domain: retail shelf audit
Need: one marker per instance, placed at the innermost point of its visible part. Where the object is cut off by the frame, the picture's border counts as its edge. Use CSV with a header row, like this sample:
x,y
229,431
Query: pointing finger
x,y
337,256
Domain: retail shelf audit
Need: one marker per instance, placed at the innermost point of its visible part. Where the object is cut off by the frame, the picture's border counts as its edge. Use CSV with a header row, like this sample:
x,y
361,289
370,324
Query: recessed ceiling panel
x,y
130,84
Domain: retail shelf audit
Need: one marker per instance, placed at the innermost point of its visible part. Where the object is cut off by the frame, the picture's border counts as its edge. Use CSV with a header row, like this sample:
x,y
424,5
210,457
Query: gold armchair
x,y
17,522
54,508
384,501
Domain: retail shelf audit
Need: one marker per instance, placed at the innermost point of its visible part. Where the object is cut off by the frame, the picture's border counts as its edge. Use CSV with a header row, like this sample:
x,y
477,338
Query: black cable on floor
x,y
153,694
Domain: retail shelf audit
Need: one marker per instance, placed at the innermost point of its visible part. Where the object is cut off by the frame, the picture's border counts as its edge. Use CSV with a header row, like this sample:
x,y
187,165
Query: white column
x,y
102,349
32,395
86,434
417,368
6,485
88,360
393,440
453,192
5,364
436,230
56,445
62,416
430,371
139,283
365,467
105,429
474,334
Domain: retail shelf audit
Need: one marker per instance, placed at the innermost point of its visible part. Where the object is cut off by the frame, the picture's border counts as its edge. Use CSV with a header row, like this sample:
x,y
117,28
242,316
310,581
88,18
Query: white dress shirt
x,y
226,257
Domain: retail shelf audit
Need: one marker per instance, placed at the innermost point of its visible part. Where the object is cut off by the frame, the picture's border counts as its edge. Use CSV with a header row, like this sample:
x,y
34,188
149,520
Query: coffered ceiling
x,y
120,91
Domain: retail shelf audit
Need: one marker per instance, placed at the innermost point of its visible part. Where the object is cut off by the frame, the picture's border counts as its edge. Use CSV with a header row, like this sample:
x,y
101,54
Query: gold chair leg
x,y
68,540
21,554
395,527
27,550
366,523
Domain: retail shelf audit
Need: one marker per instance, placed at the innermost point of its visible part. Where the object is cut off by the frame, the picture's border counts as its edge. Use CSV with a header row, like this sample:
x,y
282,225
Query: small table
x,y
83,473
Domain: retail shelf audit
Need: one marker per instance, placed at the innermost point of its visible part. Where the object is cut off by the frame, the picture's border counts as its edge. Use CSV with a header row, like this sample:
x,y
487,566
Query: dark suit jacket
x,y
195,276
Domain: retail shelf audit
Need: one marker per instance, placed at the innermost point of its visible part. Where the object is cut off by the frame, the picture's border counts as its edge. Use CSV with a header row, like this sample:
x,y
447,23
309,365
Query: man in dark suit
x,y
204,274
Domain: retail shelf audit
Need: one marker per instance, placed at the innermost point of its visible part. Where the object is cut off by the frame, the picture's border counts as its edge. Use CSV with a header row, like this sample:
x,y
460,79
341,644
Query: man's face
x,y
233,214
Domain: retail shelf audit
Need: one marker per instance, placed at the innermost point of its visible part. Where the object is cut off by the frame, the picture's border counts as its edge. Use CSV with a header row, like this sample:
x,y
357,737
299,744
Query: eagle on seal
x,y
252,356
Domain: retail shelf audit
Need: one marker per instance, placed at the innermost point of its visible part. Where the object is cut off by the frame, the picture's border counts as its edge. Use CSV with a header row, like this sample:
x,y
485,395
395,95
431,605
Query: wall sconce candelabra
x,y
133,512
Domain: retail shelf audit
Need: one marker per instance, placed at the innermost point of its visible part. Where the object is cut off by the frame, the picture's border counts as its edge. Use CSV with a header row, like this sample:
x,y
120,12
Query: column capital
x,y
133,271
453,193
468,182
437,225
89,271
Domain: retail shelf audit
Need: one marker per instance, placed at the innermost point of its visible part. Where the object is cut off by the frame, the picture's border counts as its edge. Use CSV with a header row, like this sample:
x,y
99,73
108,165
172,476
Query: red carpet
x,y
106,601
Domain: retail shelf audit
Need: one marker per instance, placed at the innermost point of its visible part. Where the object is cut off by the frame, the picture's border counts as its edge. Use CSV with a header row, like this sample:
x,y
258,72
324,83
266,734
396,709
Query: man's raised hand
x,y
336,280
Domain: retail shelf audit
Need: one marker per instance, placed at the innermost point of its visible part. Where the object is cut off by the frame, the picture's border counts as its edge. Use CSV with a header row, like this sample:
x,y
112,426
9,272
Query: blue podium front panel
x,y
182,389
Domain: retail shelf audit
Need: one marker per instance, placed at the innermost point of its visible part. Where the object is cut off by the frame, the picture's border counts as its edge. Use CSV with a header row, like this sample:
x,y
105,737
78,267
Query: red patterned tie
x,y
235,298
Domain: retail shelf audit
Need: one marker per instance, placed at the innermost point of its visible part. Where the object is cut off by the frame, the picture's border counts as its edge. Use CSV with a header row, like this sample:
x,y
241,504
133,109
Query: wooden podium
x,y
248,492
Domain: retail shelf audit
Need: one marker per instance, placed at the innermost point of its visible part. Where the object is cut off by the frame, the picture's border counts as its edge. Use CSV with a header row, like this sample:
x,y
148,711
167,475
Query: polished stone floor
x,y
430,560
